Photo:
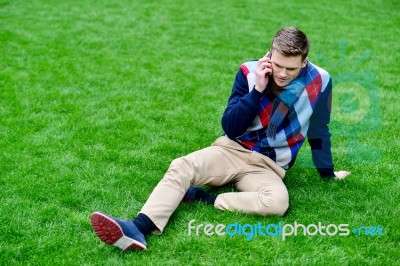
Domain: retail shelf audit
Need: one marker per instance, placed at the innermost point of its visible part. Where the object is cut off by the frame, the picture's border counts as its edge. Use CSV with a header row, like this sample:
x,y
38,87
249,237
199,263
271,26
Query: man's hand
x,y
341,174
263,72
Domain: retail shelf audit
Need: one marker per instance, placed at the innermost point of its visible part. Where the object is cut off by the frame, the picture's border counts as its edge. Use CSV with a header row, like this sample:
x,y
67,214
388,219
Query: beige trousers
x,y
257,177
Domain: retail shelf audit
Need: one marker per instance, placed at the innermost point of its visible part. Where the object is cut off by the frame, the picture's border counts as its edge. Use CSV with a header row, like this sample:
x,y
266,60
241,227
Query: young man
x,y
275,103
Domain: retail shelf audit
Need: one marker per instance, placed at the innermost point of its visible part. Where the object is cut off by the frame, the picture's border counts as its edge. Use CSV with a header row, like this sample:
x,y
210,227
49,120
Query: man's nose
x,y
283,73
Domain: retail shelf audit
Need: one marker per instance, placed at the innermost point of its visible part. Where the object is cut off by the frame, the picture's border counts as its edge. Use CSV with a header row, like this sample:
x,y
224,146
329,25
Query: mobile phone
x,y
269,56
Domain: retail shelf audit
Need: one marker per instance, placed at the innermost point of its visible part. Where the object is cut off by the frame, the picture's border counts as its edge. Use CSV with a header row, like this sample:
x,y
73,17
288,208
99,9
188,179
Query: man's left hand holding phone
x,y
263,72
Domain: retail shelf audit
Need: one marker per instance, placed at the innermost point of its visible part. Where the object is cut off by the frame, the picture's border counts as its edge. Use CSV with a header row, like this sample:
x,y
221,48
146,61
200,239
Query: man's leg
x,y
224,162
216,165
262,193
260,182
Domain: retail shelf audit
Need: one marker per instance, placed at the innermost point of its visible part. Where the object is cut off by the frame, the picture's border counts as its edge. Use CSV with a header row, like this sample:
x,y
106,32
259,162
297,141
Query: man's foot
x,y
120,233
197,193
193,194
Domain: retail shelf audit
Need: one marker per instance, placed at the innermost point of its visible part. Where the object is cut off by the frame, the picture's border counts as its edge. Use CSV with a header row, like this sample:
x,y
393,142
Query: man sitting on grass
x,y
275,103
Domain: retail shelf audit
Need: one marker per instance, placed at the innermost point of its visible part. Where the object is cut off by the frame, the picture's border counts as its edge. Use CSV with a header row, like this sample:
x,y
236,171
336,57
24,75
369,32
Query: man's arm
x,y
242,107
319,136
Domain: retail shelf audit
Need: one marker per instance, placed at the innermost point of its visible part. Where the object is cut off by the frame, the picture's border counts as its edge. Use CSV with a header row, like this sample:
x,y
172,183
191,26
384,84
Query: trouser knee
x,y
274,202
180,173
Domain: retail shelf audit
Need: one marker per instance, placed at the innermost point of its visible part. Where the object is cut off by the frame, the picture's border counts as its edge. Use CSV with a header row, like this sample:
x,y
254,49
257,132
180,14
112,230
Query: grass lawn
x,y
97,97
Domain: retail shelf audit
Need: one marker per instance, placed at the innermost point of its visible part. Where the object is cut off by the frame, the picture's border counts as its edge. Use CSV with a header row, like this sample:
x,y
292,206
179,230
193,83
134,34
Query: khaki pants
x,y
257,177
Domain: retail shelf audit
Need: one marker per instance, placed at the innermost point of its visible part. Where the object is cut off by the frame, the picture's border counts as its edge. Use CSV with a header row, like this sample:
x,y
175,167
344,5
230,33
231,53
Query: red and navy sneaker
x,y
123,234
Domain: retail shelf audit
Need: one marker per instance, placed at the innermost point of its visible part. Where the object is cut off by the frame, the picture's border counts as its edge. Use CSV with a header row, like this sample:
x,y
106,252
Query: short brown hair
x,y
291,42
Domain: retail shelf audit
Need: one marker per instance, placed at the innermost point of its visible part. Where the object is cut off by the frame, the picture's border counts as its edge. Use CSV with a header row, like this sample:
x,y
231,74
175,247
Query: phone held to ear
x,y
269,56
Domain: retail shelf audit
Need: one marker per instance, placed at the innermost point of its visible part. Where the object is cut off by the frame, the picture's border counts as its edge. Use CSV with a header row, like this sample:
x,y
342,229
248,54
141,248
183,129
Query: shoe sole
x,y
111,233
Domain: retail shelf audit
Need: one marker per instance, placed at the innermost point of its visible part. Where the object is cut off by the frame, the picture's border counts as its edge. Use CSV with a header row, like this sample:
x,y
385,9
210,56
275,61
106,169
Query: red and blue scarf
x,y
282,122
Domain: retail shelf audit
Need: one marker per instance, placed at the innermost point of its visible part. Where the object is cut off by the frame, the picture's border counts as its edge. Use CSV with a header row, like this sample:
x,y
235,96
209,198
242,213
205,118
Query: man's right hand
x,y
342,174
263,72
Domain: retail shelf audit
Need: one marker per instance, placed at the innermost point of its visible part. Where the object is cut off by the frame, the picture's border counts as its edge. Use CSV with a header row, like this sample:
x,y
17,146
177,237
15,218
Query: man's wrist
x,y
326,173
258,89
256,93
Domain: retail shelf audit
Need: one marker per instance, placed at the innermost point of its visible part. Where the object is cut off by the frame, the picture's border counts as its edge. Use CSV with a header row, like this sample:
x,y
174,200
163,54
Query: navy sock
x,y
199,194
202,195
211,199
144,224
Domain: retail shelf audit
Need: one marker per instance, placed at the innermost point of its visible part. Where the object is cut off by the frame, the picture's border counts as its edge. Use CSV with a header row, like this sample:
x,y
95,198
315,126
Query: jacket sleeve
x,y
242,107
319,136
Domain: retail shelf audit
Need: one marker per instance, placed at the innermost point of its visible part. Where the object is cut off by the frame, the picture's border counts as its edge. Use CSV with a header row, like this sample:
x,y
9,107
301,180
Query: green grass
x,y
97,97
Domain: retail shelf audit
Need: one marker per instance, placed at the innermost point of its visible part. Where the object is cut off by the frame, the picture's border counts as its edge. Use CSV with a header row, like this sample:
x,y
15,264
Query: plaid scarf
x,y
278,131
284,102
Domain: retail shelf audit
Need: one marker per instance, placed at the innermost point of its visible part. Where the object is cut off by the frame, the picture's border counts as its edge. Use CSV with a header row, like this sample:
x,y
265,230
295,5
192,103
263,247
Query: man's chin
x,y
280,83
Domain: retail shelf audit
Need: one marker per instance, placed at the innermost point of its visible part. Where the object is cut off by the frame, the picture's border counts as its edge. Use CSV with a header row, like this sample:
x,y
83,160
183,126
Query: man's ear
x,y
304,63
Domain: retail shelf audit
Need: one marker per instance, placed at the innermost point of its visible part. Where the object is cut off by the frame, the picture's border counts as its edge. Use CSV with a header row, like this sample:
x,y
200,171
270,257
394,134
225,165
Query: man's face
x,y
285,68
